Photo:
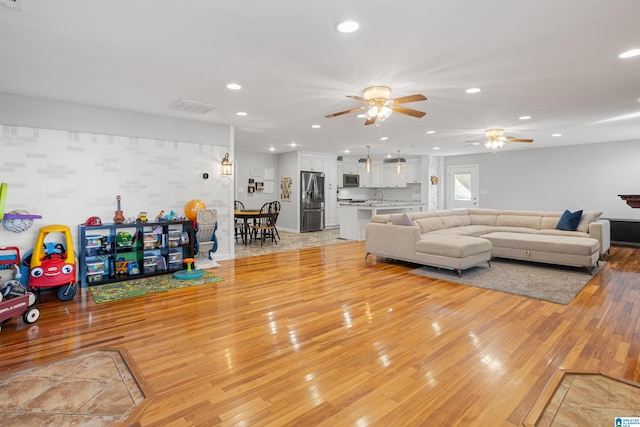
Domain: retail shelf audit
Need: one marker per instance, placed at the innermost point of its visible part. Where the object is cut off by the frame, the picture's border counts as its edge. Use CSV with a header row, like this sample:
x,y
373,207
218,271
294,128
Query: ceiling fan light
x,y
494,134
384,113
494,145
377,92
372,112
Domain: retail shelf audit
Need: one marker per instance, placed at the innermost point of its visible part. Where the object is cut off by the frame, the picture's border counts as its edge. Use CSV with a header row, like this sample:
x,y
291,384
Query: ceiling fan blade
x,y
509,139
370,121
344,112
410,98
408,111
357,98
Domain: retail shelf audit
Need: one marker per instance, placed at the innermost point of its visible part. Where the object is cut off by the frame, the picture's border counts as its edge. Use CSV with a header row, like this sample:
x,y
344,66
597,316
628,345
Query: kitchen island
x,y
354,217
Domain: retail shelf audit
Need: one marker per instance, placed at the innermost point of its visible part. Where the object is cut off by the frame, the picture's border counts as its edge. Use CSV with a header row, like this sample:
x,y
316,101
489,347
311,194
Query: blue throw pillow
x,y
569,221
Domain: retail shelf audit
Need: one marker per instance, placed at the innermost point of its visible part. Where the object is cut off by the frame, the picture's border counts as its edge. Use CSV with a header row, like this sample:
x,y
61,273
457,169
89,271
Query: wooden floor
x,y
318,336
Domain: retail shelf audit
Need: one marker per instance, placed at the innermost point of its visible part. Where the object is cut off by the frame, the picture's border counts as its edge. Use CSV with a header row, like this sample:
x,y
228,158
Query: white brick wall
x,y
68,177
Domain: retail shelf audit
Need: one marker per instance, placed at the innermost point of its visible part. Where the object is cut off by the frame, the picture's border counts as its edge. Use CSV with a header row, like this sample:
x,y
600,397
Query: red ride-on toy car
x,y
53,264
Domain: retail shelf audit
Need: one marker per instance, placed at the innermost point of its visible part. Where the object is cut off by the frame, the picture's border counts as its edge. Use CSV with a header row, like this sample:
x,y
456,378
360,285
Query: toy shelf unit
x,y
116,252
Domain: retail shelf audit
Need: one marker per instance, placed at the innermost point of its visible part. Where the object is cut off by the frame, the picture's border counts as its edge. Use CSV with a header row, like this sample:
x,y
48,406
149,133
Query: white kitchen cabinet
x,y
365,177
309,162
331,217
413,171
349,166
372,179
330,169
376,174
390,177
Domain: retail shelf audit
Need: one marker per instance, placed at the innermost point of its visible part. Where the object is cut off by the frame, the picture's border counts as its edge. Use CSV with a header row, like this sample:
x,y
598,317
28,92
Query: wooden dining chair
x,y
263,227
238,224
276,209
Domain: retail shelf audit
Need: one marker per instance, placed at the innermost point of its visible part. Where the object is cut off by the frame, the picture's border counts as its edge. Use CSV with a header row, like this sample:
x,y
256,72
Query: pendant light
x,y
367,163
399,165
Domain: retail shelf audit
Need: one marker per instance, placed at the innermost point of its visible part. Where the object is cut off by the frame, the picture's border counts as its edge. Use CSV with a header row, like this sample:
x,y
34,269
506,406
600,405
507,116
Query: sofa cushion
x,y
513,230
381,218
554,232
587,218
451,245
429,224
569,220
524,220
401,219
550,220
483,216
466,230
544,243
451,221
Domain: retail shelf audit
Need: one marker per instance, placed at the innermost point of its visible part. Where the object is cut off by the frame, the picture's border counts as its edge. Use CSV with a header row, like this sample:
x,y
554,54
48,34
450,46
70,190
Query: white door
x,y
463,187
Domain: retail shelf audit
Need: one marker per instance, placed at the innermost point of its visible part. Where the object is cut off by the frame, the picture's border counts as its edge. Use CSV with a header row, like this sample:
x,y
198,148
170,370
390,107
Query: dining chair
x,y
276,211
263,227
238,224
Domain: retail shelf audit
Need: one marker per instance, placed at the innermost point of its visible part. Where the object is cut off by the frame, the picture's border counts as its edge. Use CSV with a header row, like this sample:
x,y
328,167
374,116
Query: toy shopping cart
x,y
9,258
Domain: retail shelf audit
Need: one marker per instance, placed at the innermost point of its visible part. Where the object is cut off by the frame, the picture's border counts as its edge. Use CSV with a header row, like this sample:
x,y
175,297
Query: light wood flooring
x,y
319,336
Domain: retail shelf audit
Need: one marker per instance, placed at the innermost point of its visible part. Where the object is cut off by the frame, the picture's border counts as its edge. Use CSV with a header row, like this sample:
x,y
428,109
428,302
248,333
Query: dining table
x,y
246,215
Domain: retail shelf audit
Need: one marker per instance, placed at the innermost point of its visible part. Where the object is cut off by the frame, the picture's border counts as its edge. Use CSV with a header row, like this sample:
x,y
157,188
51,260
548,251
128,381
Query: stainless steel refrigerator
x,y
311,201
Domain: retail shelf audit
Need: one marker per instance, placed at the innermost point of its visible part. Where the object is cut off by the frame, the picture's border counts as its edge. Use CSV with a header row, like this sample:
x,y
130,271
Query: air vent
x,y
190,106
12,4
395,160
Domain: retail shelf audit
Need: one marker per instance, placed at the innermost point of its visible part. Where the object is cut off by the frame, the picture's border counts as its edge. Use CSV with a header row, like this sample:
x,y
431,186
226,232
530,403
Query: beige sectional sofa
x,y
461,238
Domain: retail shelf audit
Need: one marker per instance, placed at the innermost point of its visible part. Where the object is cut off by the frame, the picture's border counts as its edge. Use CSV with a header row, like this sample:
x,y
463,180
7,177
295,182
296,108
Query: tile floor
x,y
96,389
590,400
289,241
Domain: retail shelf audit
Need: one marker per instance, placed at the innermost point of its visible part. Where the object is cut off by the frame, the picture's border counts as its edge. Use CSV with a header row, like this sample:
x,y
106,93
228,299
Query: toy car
x,y
53,264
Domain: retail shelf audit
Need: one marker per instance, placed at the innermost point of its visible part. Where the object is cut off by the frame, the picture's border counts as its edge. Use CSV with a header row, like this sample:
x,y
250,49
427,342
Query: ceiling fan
x,y
496,139
380,105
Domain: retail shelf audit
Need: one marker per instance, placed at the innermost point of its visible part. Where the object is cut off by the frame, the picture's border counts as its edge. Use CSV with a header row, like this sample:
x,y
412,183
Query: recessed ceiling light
x,y
524,117
436,148
316,126
473,90
475,143
431,131
629,54
384,138
556,134
241,113
361,116
293,144
347,26
272,149
347,151
234,86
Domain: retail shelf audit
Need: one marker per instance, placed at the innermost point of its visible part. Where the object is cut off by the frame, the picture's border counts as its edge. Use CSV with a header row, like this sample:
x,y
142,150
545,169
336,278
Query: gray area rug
x,y
541,281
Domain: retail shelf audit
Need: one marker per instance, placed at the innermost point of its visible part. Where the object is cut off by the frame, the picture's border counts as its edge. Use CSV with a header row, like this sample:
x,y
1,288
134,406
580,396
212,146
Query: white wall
x,y
68,175
289,218
253,165
588,177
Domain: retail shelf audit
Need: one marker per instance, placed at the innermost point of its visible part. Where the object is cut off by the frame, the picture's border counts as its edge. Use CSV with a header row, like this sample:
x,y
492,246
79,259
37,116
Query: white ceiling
x,y
556,60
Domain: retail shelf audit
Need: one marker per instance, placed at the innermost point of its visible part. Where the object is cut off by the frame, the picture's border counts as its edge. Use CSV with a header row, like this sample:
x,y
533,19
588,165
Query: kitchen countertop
x,y
354,217
378,204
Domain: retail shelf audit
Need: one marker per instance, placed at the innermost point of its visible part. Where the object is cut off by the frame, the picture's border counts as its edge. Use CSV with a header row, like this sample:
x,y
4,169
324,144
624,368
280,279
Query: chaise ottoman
x,y
452,251
561,250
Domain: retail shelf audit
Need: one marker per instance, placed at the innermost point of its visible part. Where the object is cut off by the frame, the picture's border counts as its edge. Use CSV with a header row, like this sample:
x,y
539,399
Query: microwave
x,y
350,180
